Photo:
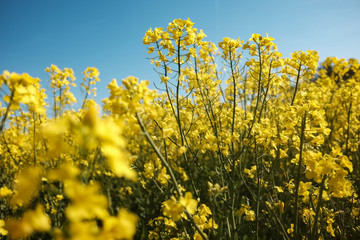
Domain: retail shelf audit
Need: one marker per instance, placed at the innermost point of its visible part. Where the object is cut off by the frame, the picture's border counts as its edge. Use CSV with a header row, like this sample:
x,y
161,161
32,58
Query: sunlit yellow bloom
x,y
188,202
123,226
171,208
3,232
4,192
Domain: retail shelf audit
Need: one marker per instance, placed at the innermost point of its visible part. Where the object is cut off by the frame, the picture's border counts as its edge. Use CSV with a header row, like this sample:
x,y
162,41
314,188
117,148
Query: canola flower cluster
x,y
261,147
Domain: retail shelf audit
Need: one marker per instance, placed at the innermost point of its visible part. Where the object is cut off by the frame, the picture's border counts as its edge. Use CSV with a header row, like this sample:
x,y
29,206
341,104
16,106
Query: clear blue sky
x,y
108,34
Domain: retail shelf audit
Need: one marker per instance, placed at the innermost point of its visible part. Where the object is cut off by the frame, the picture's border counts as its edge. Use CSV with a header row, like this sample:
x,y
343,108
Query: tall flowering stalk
x,y
238,143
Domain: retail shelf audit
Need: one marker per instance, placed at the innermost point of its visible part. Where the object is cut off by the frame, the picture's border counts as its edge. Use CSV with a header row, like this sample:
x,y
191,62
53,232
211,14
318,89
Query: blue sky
x,y
108,34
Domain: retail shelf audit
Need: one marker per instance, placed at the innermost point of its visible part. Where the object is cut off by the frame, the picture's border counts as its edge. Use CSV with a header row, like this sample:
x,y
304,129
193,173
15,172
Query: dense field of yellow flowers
x,y
238,142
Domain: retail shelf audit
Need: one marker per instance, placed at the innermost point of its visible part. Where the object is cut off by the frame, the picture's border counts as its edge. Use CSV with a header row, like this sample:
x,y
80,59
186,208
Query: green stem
x,y
314,231
257,192
297,85
303,124
3,120
348,129
169,169
34,136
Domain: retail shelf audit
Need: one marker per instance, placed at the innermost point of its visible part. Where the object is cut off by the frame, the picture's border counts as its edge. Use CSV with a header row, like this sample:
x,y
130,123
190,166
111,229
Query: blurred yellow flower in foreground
x,y
32,221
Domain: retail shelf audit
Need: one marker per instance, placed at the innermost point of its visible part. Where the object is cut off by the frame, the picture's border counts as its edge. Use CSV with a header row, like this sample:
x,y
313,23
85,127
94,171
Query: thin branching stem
x,y
169,169
298,176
